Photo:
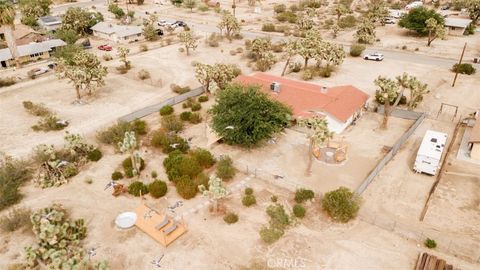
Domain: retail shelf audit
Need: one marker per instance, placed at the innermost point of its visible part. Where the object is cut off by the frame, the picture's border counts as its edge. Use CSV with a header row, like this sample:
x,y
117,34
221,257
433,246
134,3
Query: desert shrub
x,y
225,168
154,174
341,204
293,8
230,218
348,21
185,116
70,170
166,110
277,47
88,180
49,123
248,44
270,235
169,142
188,103
157,189
201,179
116,175
202,98
278,217
115,134
178,164
249,200
107,57
308,74
213,40
239,50
195,118
430,243
186,187
94,155
7,81
299,211
137,188
143,74
196,107
13,173
203,7
248,191
233,52
279,8
36,109
356,50
302,195
143,47
15,219
179,89
127,164
172,123
203,157
404,47
274,199
464,68
268,27
295,67
310,4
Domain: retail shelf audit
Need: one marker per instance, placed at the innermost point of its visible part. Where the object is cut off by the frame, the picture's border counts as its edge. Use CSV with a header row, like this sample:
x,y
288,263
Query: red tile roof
x,y
340,102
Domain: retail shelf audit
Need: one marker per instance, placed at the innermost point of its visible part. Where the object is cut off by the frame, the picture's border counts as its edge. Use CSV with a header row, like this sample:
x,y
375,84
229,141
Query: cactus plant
x,y
129,145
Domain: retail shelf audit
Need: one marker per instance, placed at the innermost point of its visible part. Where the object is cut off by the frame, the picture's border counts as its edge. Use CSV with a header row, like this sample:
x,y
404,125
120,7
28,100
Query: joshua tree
x,y
388,92
7,18
291,49
377,11
229,24
366,32
122,54
216,190
203,73
219,73
308,46
333,54
84,70
318,133
190,4
188,40
340,10
129,145
435,29
417,90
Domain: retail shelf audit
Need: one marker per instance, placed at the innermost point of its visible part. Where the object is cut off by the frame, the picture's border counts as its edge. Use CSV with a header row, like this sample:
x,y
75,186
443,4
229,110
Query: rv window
x,y
433,140
423,161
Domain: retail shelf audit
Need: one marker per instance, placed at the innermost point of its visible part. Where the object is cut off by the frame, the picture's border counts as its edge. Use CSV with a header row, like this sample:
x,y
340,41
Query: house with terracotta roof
x,y
339,105
474,141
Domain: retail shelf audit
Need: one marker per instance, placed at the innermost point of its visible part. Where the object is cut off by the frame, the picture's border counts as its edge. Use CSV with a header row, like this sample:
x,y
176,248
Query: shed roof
x,y
341,102
50,20
457,22
433,144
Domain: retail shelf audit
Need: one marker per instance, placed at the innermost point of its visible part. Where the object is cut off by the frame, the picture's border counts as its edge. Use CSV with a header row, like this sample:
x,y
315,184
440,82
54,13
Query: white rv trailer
x,y
430,152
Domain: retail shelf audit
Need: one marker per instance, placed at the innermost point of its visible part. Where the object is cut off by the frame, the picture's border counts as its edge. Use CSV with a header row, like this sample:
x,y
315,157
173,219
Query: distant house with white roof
x,y
30,52
118,33
456,26
50,23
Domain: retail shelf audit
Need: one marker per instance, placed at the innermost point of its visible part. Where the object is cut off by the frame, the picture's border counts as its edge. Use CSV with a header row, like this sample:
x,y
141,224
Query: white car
x,y
38,71
165,23
373,56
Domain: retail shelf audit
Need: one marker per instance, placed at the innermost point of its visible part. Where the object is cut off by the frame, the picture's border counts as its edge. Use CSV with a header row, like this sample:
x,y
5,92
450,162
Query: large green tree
x,y
246,116
229,24
416,20
473,7
33,9
80,20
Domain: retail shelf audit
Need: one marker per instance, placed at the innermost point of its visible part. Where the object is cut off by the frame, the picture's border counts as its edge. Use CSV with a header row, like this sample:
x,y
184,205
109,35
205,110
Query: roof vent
x,y
275,87
324,90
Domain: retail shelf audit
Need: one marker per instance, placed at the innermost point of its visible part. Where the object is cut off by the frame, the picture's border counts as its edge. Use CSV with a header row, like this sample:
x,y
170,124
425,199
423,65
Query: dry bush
x,y
143,74
15,219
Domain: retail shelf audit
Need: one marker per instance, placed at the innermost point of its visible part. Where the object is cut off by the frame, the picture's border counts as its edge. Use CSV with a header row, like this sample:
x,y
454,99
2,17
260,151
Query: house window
x,y
139,35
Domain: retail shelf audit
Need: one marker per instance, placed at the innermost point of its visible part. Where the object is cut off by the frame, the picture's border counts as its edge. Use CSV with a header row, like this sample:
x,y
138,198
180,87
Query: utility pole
x,y
458,66
234,6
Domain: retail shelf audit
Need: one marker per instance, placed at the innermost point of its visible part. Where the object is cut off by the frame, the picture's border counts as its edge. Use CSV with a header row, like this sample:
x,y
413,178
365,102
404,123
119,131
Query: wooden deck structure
x,y
162,228
430,262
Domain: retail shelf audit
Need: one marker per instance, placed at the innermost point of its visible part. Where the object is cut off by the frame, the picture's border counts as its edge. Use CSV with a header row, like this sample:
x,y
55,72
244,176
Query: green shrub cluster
x,y
15,219
166,110
348,21
115,134
94,155
116,175
169,142
268,27
464,68
178,164
49,120
225,168
203,157
186,188
196,107
279,220
230,218
179,89
341,204
287,16
128,167
430,243
356,50
7,81
185,116
249,199
137,188
172,123
299,211
302,195
203,98
157,189
195,118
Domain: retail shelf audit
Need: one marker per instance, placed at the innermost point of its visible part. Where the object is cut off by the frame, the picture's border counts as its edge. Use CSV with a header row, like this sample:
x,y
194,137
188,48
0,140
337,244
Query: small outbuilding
x,y
456,26
50,23
430,152
118,33
474,141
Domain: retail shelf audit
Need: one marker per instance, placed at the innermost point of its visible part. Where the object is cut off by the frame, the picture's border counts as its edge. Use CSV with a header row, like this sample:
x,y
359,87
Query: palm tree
x,y
7,18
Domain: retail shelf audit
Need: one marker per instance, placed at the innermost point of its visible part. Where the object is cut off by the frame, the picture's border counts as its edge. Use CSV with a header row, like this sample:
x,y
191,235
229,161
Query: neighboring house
x,y
339,105
456,26
22,34
414,4
50,23
430,152
474,141
118,33
30,52
396,13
